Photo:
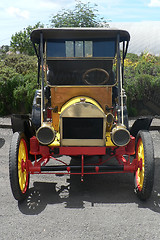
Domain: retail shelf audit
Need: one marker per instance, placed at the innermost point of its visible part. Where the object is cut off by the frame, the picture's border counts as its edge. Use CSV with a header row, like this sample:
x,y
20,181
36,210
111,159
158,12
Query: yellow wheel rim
x,y
141,169
22,173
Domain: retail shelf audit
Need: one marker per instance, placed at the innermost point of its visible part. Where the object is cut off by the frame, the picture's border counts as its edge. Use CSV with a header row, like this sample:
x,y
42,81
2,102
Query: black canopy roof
x,y
78,33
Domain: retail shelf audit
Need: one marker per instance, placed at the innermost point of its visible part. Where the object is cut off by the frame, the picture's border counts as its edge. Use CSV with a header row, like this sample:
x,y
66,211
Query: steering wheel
x,y
95,76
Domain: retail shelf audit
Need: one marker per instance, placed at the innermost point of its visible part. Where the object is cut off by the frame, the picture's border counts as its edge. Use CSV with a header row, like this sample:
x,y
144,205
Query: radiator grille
x,y
82,128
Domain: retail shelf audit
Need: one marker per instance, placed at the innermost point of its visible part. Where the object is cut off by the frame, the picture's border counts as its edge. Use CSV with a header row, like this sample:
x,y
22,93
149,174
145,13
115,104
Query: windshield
x,y
80,62
80,48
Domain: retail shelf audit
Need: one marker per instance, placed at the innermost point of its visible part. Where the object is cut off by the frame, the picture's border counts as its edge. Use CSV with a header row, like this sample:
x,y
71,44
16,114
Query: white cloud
x,y
154,3
17,12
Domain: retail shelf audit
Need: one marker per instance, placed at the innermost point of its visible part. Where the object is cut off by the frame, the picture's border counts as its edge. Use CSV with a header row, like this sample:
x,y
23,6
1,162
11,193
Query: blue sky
x,y
18,14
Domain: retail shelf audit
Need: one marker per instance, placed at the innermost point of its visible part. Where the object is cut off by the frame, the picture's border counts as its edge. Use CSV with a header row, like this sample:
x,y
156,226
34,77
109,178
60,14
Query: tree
x,y
83,15
21,41
4,49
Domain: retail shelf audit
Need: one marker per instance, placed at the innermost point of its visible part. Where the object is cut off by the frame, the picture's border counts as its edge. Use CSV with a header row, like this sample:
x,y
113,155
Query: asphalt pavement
x,y
103,207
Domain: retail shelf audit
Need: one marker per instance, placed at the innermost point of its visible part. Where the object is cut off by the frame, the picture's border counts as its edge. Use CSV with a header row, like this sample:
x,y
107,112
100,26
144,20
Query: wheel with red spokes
x,y
19,177
144,176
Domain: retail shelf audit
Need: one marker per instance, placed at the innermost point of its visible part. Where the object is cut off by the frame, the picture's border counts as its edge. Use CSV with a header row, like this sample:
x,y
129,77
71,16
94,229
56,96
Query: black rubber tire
x,y
145,191
13,167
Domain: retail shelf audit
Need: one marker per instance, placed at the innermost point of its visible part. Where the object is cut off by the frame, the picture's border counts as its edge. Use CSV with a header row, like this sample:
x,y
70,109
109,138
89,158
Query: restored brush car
x,y
80,111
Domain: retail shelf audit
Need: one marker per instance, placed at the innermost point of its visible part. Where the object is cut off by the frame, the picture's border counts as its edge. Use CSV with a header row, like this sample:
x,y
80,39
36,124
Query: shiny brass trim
x,y
83,142
110,118
80,86
78,99
46,126
118,129
81,110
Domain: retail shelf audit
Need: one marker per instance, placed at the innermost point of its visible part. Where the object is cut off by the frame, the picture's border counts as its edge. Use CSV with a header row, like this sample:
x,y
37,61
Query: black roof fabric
x,y
78,33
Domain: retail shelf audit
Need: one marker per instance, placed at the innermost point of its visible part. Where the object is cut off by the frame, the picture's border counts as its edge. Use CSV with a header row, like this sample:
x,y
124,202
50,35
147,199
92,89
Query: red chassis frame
x,y
43,154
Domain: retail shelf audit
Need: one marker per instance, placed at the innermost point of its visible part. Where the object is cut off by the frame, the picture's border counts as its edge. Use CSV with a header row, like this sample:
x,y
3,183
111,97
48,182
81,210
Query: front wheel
x,y
144,176
19,177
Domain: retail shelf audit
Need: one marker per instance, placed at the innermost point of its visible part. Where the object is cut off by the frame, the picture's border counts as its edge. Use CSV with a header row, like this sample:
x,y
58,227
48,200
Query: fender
x,y
140,124
22,123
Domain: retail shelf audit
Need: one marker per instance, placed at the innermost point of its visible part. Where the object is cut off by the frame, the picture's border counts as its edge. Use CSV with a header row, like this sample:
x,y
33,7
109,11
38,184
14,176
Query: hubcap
x,y
140,171
22,173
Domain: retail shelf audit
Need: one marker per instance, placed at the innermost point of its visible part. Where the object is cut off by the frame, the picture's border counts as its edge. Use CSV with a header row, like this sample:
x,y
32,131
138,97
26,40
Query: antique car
x,y
80,111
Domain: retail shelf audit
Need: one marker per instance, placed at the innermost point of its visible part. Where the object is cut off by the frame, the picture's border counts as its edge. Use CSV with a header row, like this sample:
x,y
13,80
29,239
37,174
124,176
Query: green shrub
x,y
132,57
23,64
18,79
141,80
7,86
24,93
